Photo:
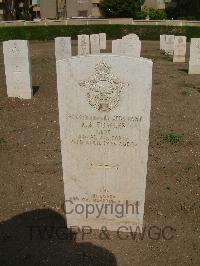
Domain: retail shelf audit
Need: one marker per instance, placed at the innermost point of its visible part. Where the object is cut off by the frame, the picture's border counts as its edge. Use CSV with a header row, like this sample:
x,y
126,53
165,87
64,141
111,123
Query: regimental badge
x,y
103,88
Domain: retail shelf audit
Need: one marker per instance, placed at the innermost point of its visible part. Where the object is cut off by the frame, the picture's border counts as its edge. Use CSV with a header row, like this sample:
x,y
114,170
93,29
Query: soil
x,y
31,186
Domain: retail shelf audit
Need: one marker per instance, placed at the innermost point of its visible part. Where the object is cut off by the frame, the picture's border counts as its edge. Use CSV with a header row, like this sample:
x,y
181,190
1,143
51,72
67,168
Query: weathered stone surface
x,y
194,64
102,39
179,49
95,44
83,44
169,44
63,49
104,115
18,69
128,47
131,36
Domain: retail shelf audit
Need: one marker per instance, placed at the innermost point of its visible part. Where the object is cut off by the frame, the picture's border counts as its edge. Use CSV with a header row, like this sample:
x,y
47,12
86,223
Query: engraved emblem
x,y
103,88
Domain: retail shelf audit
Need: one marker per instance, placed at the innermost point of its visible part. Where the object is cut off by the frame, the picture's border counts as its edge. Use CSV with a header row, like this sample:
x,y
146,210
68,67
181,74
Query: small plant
x,y
2,141
186,92
172,138
188,168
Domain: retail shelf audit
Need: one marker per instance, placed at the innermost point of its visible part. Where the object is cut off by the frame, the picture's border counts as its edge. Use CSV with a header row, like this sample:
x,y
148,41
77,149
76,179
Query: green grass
x,y
172,138
145,32
186,92
2,141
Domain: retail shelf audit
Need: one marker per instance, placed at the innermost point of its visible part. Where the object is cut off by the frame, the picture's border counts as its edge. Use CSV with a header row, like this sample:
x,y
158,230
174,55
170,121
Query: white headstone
x,y
95,44
18,69
179,49
63,49
127,47
117,47
194,64
102,39
162,42
83,44
169,44
131,36
104,115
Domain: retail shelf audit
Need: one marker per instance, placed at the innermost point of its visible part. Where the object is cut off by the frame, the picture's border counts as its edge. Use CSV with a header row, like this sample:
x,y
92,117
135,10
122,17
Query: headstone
x,y
162,42
127,47
179,49
194,63
18,69
102,39
131,36
117,47
63,49
169,44
83,44
104,115
95,44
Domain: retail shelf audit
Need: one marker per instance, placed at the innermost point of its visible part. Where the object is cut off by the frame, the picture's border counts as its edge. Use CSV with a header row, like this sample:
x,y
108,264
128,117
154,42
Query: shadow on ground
x,y
41,237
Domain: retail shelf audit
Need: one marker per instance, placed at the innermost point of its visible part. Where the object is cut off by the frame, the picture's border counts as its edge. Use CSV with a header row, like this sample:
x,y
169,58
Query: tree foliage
x,y
120,8
185,9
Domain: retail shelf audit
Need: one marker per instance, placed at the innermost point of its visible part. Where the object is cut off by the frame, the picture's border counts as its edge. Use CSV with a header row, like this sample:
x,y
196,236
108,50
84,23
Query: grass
x,y
186,92
172,138
2,141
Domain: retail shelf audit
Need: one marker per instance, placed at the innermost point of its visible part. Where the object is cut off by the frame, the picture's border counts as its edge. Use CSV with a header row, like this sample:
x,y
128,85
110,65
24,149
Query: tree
x,y
10,9
185,9
121,8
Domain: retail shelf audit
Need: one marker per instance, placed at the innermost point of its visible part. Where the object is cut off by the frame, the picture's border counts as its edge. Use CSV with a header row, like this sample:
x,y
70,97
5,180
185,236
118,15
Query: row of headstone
x,y
93,43
176,46
129,45
87,44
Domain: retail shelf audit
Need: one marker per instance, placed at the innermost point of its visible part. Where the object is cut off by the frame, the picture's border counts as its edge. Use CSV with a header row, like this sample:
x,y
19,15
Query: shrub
x,y
156,14
145,32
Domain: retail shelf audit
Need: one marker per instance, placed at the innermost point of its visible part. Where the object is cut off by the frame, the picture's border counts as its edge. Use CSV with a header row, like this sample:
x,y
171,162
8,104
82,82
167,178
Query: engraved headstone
x,y
95,44
18,69
169,44
194,63
179,49
63,48
162,42
83,44
104,115
102,39
127,47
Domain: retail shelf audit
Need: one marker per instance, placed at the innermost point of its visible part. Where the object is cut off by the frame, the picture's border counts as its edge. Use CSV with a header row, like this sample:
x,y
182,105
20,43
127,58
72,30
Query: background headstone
x,y
104,115
162,42
83,44
179,49
128,47
169,44
95,44
63,48
131,36
117,47
102,39
194,63
18,69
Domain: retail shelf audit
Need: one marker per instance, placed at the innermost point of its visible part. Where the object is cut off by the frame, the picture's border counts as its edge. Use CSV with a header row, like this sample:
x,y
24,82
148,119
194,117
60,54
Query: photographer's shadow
x,y
40,237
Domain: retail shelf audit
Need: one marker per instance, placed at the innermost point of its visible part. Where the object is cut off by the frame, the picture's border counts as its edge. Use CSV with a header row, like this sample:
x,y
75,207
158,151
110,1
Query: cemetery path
x,y
31,173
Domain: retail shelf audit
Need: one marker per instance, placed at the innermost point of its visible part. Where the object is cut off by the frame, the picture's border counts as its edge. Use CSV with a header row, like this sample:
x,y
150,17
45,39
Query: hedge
x,y
145,32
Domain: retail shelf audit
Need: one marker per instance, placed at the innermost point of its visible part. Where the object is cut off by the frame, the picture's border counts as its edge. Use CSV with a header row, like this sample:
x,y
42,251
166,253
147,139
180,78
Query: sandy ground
x,y
31,187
